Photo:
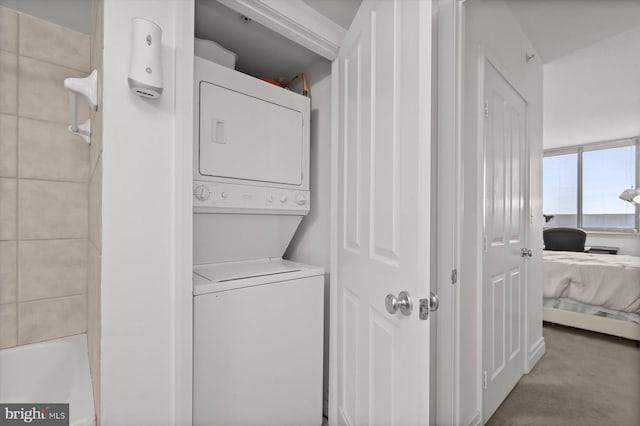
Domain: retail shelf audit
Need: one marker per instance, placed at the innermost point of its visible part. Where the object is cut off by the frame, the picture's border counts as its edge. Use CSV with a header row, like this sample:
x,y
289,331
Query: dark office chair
x,y
564,239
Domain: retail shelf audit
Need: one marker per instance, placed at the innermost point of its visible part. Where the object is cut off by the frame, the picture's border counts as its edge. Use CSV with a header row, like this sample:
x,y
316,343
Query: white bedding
x,y
610,281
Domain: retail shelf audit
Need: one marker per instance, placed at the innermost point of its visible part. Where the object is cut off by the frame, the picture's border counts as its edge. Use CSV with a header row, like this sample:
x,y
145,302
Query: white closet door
x,y
504,280
384,116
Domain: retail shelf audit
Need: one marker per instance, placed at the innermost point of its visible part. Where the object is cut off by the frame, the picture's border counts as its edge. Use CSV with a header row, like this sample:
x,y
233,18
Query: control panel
x,y
208,196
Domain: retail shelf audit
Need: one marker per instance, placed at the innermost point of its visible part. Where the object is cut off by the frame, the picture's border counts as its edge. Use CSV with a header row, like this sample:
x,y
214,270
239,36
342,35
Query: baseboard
x,y
473,420
535,354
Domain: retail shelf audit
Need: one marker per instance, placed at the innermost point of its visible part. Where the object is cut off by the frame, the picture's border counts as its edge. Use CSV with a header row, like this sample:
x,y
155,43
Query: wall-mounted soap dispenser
x,y
145,71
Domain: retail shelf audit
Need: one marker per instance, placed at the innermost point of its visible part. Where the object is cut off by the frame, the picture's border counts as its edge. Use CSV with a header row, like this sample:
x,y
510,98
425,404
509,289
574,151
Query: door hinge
x,y
484,380
486,108
531,216
485,246
454,276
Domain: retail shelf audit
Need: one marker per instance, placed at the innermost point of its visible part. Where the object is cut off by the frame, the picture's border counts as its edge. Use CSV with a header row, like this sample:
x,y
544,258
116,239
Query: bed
x,y
597,292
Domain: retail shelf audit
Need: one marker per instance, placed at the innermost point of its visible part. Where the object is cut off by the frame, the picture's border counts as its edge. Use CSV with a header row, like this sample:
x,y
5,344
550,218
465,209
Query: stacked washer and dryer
x,y
258,319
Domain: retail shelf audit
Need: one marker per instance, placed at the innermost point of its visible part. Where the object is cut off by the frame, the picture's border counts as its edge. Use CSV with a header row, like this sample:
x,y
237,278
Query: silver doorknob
x,y
526,252
402,302
430,304
434,302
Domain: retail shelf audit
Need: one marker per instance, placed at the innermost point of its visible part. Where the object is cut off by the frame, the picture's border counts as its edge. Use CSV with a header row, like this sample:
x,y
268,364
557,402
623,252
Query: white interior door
x,y
383,110
505,224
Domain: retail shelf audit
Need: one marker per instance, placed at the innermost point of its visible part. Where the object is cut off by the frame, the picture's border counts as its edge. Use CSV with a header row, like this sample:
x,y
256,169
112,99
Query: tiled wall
x,y
44,183
95,214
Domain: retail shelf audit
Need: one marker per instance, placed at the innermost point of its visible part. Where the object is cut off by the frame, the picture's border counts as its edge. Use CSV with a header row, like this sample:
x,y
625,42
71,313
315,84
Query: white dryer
x,y
251,165
258,319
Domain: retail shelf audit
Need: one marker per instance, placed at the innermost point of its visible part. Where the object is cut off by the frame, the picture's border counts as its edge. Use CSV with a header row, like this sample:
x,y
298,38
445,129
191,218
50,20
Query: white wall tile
x,y
53,43
42,92
93,311
8,145
95,150
8,272
51,318
8,325
8,82
50,151
52,210
8,200
95,207
52,268
8,30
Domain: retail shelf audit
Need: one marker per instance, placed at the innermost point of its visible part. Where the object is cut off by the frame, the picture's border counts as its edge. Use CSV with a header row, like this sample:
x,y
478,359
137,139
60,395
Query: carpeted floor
x,y
584,378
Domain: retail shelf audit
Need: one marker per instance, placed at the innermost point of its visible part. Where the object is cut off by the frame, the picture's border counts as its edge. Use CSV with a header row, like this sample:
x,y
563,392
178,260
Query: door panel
x,y
515,309
382,355
384,216
505,169
384,133
350,356
351,111
497,343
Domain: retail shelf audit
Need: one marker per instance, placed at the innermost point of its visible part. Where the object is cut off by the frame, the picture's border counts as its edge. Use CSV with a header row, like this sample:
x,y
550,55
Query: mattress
x,y
611,282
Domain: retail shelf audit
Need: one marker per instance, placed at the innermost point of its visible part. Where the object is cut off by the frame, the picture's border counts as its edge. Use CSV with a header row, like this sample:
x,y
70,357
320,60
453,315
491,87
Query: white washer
x,y
257,356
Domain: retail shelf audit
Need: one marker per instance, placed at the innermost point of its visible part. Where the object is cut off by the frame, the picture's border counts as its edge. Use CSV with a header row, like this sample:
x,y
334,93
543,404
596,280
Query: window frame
x,y
596,146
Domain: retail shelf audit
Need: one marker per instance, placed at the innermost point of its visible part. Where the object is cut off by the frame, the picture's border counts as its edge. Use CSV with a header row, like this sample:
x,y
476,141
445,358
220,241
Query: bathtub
x,y
50,372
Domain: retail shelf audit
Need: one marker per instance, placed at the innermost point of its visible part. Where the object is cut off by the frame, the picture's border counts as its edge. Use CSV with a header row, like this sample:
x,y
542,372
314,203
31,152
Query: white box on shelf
x,y
212,51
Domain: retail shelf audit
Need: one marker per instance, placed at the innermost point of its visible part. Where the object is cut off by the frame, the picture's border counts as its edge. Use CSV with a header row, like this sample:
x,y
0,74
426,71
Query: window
x,y
560,189
581,186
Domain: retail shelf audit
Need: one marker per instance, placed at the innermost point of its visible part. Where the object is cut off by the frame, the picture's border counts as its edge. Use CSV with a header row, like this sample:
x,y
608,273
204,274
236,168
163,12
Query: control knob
x,y
301,200
283,198
202,193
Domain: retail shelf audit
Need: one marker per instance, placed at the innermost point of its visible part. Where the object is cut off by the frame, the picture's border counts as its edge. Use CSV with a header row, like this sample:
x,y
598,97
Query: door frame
x,y
451,22
183,214
450,52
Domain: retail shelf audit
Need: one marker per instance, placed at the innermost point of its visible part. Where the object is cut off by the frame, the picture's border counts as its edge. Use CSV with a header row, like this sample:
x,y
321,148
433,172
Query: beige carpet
x,y
583,379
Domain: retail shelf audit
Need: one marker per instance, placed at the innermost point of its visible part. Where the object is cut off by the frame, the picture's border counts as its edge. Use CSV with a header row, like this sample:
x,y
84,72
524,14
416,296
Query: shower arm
x,y
88,88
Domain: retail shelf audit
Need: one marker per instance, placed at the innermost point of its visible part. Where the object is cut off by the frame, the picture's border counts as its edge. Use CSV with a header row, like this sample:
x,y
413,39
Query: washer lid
x,y
230,271
231,275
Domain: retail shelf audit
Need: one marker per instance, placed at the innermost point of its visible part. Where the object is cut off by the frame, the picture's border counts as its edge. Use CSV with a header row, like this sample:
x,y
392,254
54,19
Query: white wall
x,y
141,262
593,94
491,30
628,244
74,14
311,243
